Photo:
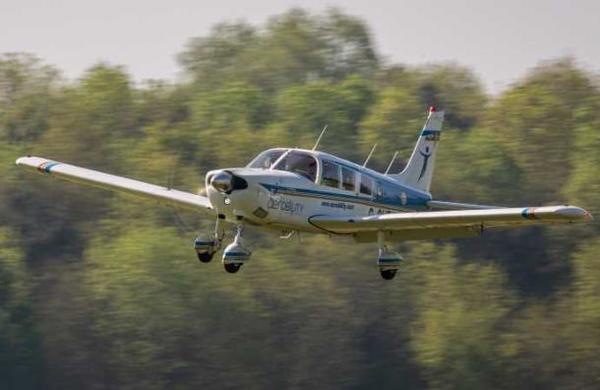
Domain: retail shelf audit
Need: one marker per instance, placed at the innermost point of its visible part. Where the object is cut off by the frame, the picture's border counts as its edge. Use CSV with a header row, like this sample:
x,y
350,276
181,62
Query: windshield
x,y
301,163
266,159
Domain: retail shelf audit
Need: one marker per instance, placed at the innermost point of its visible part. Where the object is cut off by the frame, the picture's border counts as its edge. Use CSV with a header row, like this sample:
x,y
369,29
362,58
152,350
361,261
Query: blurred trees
x,y
26,90
293,48
20,348
100,290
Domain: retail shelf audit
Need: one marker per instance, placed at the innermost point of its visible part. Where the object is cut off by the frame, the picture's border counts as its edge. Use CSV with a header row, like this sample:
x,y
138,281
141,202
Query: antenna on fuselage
x,y
391,162
319,139
370,154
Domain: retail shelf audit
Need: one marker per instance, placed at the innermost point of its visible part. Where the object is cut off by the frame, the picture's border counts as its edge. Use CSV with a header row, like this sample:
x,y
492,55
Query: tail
x,y
419,170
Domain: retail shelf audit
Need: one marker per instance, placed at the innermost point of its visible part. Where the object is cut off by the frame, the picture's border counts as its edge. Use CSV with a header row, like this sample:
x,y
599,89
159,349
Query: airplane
x,y
294,190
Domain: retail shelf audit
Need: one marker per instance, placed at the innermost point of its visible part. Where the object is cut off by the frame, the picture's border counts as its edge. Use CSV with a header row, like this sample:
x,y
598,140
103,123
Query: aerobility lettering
x,y
284,204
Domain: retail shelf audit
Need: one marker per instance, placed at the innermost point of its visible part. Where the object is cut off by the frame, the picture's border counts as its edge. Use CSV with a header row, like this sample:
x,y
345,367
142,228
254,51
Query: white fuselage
x,y
286,201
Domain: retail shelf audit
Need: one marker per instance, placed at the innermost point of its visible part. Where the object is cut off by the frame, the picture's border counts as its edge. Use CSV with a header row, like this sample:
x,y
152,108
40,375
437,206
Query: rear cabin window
x,y
366,185
331,174
300,163
380,192
348,179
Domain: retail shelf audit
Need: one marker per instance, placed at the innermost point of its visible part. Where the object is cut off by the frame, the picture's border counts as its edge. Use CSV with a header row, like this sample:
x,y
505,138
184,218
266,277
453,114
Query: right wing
x,y
444,205
93,178
443,224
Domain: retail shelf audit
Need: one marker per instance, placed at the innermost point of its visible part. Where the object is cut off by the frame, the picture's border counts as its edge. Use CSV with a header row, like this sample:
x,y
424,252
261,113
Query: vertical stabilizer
x,y
419,170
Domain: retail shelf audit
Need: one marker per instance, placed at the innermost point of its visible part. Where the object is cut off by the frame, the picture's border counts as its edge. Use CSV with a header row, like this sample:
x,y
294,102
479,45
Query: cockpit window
x,y
300,163
266,159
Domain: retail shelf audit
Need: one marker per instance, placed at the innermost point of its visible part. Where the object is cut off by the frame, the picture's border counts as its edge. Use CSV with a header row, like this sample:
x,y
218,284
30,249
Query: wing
x,y
116,183
444,224
443,205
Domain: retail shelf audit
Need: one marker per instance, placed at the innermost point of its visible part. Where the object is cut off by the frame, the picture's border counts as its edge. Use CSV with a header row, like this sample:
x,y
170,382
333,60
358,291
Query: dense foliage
x,y
101,291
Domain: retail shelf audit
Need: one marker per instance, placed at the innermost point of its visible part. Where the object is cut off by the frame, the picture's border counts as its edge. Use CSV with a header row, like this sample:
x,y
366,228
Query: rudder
x,y
418,173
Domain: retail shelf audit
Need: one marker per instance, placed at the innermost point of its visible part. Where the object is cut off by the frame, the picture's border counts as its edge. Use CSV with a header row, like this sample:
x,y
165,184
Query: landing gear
x,y
232,267
388,262
235,255
388,274
207,247
205,257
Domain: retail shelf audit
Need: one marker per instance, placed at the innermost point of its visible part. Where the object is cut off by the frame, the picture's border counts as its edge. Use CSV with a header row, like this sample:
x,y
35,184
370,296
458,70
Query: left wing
x,y
448,222
116,183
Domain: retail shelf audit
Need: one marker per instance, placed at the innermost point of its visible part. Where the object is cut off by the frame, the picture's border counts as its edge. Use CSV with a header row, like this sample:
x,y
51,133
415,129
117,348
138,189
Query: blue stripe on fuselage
x,y
413,201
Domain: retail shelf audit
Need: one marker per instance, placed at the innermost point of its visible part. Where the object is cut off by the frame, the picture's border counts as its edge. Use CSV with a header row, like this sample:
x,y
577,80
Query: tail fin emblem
x,y
426,156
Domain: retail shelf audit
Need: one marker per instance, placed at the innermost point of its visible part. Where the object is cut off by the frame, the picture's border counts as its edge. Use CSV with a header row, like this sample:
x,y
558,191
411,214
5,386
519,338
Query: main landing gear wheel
x,y
232,267
388,262
388,274
207,247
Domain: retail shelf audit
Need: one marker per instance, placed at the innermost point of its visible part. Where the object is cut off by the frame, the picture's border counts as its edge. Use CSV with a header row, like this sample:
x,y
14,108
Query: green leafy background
x,y
98,290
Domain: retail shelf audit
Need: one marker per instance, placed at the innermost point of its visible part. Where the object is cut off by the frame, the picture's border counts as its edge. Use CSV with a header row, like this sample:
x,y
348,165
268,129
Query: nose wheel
x,y
235,255
232,267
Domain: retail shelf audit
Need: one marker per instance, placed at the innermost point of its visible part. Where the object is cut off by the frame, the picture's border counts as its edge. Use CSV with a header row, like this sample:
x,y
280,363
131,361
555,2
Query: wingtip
x,y
26,160
575,213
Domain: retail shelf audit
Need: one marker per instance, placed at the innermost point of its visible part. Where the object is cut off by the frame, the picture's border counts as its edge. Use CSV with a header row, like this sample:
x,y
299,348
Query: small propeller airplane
x,y
293,190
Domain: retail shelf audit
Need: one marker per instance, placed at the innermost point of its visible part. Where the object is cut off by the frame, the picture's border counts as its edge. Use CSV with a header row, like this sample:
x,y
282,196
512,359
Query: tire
x,y
205,257
388,274
232,267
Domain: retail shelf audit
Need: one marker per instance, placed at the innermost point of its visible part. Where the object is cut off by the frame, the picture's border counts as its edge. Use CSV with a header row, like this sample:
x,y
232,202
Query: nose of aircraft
x,y
225,181
222,181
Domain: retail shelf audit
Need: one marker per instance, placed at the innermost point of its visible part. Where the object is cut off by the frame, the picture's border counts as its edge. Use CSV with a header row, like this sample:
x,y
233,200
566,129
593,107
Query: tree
x,y
458,335
536,120
293,48
20,349
27,90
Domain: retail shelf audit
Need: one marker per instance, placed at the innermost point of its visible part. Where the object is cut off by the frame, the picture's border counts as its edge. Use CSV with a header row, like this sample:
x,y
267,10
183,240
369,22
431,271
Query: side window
x,y
348,178
366,185
331,174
